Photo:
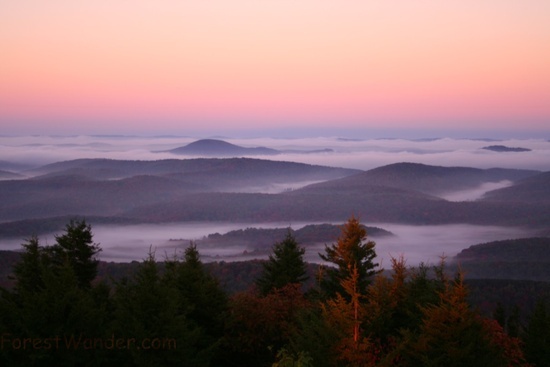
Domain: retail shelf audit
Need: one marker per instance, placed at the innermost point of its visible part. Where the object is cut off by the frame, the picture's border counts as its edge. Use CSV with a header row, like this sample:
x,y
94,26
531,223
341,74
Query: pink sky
x,y
171,66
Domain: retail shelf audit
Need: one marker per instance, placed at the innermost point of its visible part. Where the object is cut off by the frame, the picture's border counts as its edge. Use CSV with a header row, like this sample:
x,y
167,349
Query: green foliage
x,y
285,266
409,317
287,359
76,246
56,306
537,336
206,301
313,335
148,308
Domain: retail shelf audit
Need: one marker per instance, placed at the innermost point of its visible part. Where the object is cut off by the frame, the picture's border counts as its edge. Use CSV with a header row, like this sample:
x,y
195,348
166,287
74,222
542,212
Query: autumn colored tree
x,y
258,327
452,334
346,313
286,265
352,251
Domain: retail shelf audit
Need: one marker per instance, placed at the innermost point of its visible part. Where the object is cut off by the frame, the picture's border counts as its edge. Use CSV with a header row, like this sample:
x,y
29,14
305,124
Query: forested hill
x,y
220,148
525,258
8,175
261,240
534,189
200,170
426,179
242,189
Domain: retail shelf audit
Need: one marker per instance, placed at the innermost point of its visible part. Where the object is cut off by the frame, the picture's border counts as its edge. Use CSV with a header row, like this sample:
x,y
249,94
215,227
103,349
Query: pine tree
x,y
346,313
537,336
27,273
351,251
452,334
77,246
58,306
285,266
149,307
202,294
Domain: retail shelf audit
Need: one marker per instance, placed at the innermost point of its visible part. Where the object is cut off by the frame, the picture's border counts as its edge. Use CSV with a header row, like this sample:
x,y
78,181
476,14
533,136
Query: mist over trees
x,y
173,312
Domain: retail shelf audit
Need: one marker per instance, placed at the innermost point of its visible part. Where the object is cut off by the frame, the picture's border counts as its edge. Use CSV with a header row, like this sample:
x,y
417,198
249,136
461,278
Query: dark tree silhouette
x,y
285,266
76,246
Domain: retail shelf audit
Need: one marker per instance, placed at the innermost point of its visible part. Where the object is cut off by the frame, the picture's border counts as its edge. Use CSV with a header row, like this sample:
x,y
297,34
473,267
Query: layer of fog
x,y
416,243
475,193
359,154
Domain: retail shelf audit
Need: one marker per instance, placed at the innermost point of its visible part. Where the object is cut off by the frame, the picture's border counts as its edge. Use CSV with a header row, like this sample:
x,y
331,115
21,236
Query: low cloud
x,y
358,154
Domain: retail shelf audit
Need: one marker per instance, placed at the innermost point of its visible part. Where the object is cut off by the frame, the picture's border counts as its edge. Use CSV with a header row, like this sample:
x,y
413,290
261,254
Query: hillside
x,y
102,187
8,175
431,180
525,258
534,189
220,148
243,189
260,240
213,172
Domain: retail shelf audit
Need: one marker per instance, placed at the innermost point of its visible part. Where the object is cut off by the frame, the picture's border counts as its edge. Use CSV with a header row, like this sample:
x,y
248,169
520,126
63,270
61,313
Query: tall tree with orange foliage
x,y
352,251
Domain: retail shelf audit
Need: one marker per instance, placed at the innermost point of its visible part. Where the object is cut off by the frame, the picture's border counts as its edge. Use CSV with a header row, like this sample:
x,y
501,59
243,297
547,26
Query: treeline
x,y
58,313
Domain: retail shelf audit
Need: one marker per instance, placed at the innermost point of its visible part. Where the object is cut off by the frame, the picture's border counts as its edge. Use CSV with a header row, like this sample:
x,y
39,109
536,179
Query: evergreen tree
x,y
346,313
259,327
537,336
202,294
452,334
150,308
27,272
352,250
513,324
57,307
285,266
499,315
77,246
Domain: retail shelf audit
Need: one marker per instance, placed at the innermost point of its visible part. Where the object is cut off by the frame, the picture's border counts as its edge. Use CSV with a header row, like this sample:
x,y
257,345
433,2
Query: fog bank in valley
x,y
358,154
416,243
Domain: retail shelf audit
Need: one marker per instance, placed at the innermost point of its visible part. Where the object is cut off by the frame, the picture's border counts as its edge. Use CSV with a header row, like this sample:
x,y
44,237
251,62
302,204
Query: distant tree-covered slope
x,y
227,190
525,258
534,189
8,175
535,249
200,170
262,239
425,178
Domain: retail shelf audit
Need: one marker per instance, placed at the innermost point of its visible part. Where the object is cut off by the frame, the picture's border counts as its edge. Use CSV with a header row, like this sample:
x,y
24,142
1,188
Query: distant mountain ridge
x,y
227,190
523,258
221,148
424,178
8,175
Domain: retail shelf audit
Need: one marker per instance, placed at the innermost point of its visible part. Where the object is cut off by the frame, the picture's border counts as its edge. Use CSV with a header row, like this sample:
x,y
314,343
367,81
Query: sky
x,y
267,68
